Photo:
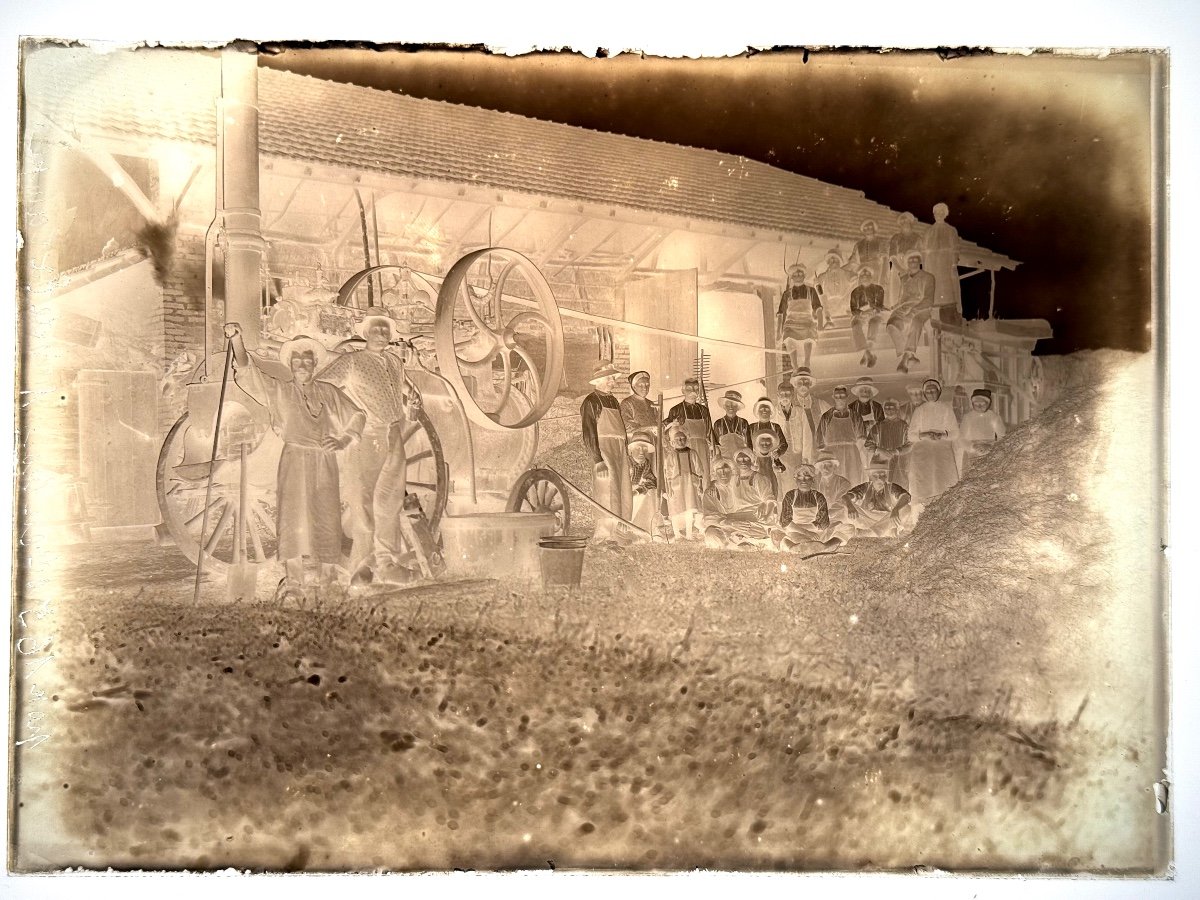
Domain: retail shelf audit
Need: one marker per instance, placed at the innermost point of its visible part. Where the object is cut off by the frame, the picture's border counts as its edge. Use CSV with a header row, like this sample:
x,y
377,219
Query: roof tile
x,y
172,94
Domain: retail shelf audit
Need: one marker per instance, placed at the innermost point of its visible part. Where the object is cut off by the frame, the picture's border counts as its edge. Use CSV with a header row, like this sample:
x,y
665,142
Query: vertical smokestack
x,y
238,192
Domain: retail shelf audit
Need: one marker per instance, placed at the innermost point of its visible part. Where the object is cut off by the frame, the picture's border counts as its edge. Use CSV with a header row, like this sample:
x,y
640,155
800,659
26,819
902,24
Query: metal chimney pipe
x,y
238,193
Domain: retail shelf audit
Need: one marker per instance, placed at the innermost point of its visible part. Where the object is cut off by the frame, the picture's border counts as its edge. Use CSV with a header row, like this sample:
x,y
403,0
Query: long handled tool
x,y
212,465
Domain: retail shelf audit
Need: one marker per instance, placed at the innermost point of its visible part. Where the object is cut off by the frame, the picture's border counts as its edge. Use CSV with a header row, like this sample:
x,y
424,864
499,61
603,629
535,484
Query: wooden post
x,y
992,296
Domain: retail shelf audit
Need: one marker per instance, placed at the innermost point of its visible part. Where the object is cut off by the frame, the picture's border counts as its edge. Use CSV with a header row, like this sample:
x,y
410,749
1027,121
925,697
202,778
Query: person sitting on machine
x,y
314,420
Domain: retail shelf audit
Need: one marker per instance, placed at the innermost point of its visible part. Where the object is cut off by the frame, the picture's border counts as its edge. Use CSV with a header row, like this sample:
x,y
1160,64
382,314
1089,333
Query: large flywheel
x,y
498,332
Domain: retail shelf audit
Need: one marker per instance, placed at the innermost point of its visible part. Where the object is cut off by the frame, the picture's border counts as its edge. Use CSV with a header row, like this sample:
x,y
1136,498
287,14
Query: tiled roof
x,y
170,94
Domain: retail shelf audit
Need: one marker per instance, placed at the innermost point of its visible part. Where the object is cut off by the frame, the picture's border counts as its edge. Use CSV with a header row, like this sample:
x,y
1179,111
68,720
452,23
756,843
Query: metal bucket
x,y
561,560
495,545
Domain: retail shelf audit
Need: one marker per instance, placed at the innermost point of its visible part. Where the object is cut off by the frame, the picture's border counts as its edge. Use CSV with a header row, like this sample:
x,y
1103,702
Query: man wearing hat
x,y
831,484
800,317
933,431
901,242
377,472
877,507
980,428
913,310
685,483
841,432
800,411
605,439
834,284
697,423
866,315
731,430
638,411
642,478
864,405
870,250
889,439
804,521
314,420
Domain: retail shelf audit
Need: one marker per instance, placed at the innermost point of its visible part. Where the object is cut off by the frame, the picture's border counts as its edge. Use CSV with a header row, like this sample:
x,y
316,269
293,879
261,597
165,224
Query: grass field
x,y
755,721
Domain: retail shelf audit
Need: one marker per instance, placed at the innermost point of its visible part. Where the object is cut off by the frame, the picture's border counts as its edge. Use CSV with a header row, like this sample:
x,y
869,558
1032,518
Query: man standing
x,y
800,318
377,472
941,259
913,310
878,508
865,405
889,439
932,467
841,432
697,423
801,413
866,315
315,421
731,431
605,438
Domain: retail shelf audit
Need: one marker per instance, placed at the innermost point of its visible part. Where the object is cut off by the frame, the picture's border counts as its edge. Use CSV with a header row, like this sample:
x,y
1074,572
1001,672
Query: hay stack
x,y
1038,569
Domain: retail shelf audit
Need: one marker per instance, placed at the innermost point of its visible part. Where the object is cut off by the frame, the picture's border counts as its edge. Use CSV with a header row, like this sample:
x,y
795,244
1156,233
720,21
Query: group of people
x,y
352,407
800,473
891,285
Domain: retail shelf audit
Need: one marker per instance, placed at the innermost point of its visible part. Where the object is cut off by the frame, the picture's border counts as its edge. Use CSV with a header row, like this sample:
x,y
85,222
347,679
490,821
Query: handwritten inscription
x,y
33,651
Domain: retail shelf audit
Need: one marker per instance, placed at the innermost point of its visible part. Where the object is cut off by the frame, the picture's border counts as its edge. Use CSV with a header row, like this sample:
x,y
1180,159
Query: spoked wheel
x,y
181,495
427,475
496,314
541,490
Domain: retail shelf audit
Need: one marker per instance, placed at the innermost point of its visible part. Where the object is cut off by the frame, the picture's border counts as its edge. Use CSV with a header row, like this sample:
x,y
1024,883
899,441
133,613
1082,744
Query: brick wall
x,y
181,318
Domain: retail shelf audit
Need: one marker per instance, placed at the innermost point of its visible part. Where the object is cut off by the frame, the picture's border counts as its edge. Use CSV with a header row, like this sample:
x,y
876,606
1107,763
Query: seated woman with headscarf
x,y
750,509
804,520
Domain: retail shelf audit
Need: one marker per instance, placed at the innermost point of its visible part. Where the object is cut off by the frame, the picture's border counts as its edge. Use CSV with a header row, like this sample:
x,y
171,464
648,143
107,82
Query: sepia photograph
x,y
431,459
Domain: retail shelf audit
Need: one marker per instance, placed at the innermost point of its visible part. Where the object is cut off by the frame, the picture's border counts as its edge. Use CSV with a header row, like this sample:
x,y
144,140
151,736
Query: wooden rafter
x,y
267,226
647,247
592,248
714,274
556,243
